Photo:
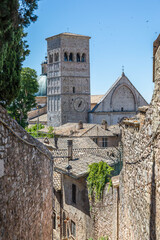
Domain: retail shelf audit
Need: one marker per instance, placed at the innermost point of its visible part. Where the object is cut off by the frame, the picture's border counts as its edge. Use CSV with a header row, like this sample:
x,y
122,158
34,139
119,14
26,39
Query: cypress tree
x,y
15,15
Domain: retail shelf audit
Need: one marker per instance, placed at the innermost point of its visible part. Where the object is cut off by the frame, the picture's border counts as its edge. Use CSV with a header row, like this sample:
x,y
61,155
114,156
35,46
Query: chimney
x,y
80,125
70,148
104,124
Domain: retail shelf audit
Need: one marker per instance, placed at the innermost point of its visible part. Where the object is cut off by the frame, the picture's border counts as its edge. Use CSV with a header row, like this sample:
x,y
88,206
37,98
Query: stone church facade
x,y
68,84
121,101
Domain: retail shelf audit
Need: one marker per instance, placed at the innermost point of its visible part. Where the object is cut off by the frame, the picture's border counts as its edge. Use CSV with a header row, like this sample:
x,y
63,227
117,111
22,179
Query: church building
x,y
122,100
68,86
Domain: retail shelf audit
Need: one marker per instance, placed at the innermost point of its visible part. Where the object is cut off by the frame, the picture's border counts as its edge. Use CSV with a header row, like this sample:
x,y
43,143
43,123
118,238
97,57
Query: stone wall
x,y
25,184
102,215
139,207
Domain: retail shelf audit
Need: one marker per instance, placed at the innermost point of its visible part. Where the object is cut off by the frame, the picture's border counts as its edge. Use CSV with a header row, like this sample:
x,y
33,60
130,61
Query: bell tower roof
x,y
65,34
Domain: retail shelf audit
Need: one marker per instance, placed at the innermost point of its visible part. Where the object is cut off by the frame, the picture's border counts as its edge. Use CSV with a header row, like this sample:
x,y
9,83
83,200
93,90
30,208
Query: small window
x,y
122,109
73,228
71,57
78,57
54,221
74,90
83,57
73,193
65,57
104,142
56,57
50,58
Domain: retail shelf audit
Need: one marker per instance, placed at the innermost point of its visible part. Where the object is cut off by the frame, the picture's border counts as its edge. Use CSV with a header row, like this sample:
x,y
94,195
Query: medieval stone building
x,y
68,78
121,101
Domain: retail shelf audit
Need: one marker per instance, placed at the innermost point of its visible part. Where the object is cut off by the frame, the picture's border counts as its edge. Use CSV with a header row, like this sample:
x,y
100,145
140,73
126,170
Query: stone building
x,y
72,210
121,101
102,134
26,183
68,78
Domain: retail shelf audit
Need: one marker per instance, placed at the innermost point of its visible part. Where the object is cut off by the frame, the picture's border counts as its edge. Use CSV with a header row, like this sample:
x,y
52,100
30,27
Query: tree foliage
x,y
35,128
26,100
15,15
99,175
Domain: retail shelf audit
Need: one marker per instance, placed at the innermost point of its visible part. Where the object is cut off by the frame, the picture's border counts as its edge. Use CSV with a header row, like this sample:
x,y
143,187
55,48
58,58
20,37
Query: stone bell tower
x,y
68,74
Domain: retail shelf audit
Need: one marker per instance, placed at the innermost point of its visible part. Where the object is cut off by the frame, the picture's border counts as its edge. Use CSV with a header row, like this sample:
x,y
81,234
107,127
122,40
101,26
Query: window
x,y
50,58
78,57
83,57
104,142
54,221
73,193
71,57
58,103
74,90
56,57
122,109
73,228
65,57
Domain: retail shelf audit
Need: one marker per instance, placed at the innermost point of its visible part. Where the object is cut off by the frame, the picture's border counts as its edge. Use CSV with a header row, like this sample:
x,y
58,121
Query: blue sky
x,y
122,33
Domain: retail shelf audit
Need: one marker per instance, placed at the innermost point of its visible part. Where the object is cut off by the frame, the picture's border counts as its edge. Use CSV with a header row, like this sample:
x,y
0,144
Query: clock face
x,y
79,104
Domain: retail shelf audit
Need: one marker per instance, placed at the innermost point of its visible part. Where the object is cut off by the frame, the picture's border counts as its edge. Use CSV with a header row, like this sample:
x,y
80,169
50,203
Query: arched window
x,y
78,57
50,58
83,57
56,57
65,57
71,57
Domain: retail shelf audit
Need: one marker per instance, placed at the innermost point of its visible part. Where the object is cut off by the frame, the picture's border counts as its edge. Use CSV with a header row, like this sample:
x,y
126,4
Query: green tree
x,y
26,100
15,15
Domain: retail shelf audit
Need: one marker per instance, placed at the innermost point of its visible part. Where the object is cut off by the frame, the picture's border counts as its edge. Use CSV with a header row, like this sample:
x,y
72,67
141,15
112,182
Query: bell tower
x,y
68,79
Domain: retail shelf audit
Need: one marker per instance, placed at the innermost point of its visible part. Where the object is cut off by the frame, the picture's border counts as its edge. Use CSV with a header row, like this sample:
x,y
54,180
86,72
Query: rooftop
x,y
96,98
88,130
78,143
66,34
80,165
